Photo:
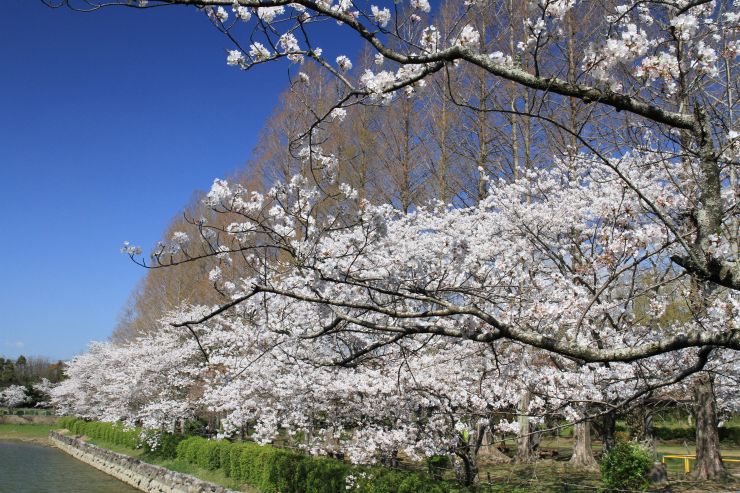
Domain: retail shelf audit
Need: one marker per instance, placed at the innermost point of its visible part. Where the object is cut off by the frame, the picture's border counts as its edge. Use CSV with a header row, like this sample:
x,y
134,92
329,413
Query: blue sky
x,y
109,122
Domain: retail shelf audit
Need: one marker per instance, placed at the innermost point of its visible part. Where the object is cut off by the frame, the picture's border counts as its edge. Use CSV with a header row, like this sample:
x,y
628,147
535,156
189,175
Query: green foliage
x,y
118,434
566,432
235,454
627,467
225,458
114,433
195,427
674,432
381,480
28,371
437,464
168,443
326,476
728,434
413,483
274,470
7,372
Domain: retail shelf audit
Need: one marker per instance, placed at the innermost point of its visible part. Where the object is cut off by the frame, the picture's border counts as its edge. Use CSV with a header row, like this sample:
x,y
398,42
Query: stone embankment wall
x,y
146,477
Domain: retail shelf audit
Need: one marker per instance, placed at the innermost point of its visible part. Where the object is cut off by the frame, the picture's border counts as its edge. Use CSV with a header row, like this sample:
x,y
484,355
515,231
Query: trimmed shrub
x,y
377,480
114,433
626,466
167,448
235,454
674,432
326,476
210,456
380,480
250,465
187,450
415,483
728,434
273,470
287,472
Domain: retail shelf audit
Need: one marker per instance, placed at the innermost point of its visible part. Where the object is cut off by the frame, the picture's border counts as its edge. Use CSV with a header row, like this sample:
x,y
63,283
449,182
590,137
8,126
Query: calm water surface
x,y
29,468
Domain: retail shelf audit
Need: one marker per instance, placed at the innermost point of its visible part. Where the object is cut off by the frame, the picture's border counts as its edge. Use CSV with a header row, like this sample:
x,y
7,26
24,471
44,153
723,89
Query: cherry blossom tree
x,y
355,283
43,390
635,203
145,381
14,396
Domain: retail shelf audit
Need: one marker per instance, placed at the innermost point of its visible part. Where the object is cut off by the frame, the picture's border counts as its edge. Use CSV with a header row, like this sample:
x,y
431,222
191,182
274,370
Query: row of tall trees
x,y
440,143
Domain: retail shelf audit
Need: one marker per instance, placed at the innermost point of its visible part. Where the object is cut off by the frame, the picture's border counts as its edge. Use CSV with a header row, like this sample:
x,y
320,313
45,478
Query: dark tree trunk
x,y
708,459
468,474
391,459
608,430
647,429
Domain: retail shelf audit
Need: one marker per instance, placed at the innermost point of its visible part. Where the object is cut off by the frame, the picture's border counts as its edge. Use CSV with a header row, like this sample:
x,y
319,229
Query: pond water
x,y
30,468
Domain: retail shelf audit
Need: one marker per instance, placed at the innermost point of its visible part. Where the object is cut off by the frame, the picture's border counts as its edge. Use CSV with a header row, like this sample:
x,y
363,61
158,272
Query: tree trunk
x,y
708,459
583,455
488,451
524,441
468,473
647,430
608,430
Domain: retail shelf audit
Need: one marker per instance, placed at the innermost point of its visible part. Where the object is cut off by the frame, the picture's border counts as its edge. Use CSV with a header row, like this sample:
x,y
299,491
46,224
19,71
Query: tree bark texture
x,y
583,455
608,431
524,442
488,451
708,459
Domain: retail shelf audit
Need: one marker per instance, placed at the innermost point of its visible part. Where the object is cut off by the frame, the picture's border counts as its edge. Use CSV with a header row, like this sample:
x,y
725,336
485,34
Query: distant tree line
x,y
30,373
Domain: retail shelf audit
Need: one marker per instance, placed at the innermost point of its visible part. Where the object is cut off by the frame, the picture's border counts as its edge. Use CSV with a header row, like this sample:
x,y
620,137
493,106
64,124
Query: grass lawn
x,y
27,432
549,475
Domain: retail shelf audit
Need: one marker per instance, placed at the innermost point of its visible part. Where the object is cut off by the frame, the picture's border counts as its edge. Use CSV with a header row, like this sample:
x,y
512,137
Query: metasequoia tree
x,y
162,291
658,63
636,110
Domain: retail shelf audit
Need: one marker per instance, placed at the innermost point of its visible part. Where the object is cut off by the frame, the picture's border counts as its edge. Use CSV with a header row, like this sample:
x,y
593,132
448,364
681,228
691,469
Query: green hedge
x,y
114,433
117,434
274,470
729,434
168,443
267,468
